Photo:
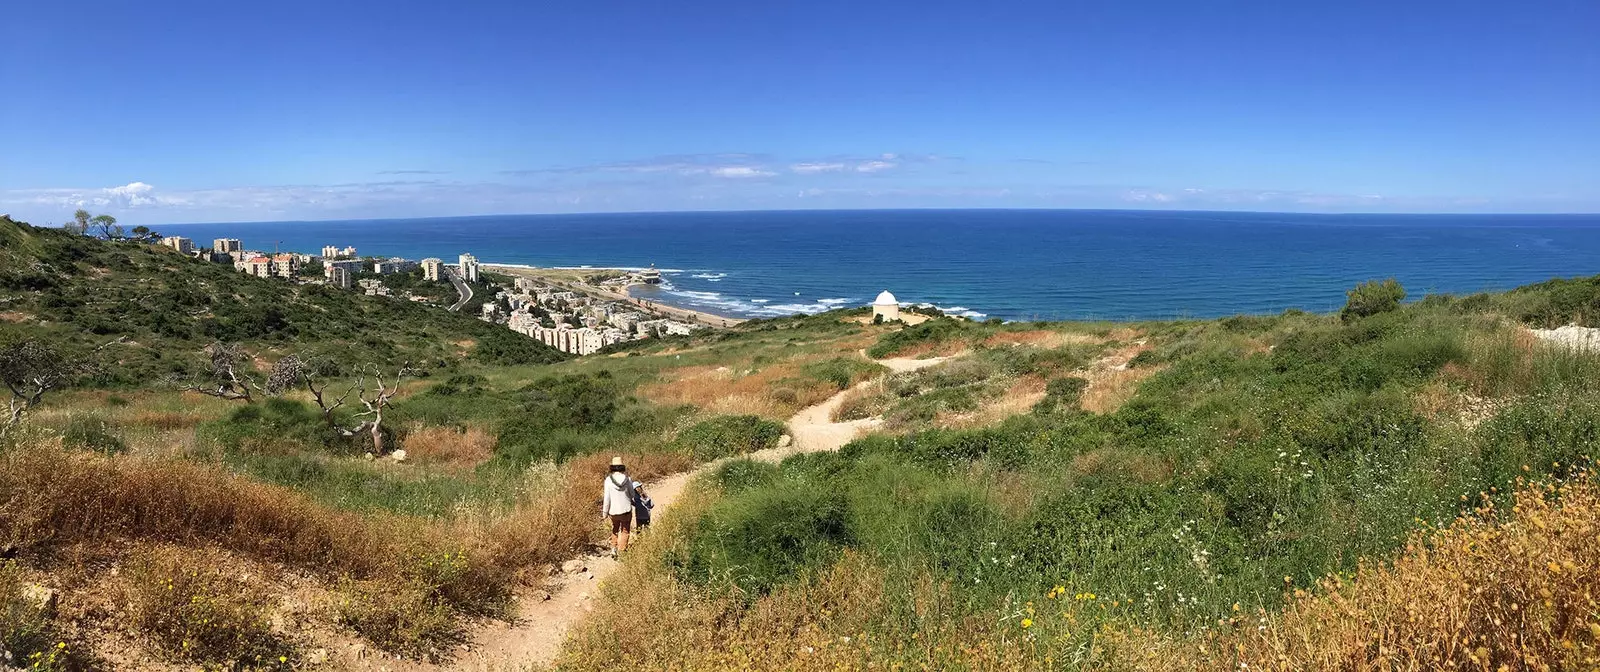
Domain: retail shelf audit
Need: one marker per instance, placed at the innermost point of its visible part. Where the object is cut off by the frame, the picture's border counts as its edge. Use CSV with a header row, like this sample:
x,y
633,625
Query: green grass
x,y
1234,467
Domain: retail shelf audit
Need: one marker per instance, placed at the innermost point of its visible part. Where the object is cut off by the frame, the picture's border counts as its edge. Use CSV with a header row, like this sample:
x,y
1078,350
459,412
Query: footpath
x,y
534,638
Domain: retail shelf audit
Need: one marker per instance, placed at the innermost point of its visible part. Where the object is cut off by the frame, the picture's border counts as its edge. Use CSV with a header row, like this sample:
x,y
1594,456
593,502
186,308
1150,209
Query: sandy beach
x,y
572,279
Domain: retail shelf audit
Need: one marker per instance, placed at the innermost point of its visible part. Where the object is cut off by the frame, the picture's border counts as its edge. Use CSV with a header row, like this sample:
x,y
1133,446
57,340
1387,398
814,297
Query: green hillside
x,y
160,308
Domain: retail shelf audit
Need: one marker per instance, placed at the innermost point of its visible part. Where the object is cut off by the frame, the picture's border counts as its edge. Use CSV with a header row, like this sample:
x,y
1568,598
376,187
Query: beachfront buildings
x,y
229,246
335,252
179,243
340,276
886,307
649,276
393,265
351,266
469,267
431,268
285,265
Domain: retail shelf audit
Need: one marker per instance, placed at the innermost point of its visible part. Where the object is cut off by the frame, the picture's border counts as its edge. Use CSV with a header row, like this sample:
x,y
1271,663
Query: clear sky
x,y
162,111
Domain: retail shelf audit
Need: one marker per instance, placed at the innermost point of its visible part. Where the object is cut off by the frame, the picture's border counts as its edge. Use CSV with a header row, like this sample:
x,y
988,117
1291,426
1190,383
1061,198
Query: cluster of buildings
x,y
575,322
569,321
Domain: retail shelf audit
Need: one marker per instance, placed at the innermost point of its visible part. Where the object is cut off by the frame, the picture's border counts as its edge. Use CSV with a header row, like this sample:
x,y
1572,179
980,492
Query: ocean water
x,y
1011,264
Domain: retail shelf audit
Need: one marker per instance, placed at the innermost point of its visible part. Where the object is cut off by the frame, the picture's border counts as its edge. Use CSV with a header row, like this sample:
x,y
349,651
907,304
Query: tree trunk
x,y
377,434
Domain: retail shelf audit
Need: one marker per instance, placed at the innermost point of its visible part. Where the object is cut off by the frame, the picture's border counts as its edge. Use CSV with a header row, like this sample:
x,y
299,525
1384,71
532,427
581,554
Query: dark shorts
x,y
621,522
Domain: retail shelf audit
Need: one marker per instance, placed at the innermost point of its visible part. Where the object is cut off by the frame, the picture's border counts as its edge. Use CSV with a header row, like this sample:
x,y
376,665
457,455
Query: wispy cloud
x,y
413,172
814,168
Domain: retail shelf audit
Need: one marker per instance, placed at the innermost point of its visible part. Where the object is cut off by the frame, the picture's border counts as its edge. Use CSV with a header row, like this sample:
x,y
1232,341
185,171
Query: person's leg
x,y
619,531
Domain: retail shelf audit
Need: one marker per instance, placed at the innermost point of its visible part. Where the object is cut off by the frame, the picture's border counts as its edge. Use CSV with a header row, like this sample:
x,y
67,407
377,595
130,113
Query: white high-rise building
x,y
469,267
431,267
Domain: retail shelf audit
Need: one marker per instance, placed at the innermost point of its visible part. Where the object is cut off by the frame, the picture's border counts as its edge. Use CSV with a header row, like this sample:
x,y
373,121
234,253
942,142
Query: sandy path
x,y
541,626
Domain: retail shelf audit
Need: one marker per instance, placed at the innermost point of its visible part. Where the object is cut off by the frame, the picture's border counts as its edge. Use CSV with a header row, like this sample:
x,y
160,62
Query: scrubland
x,y
1395,487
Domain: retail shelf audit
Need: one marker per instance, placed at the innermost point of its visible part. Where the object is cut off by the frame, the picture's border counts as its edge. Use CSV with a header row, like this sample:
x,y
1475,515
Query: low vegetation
x,y
1390,487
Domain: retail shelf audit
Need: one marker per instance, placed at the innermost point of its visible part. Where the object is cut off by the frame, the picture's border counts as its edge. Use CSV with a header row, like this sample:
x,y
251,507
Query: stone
x,y
540,596
573,567
398,456
785,440
368,457
583,596
588,576
358,650
41,598
317,656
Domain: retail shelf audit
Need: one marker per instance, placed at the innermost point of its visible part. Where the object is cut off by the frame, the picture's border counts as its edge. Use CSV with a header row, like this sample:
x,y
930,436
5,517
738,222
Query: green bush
x,y
401,617
277,425
92,433
842,372
742,474
1372,297
728,435
754,541
934,331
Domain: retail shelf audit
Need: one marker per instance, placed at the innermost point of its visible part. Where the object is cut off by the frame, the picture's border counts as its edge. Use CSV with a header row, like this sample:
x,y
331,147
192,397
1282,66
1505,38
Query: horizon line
x,y
603,213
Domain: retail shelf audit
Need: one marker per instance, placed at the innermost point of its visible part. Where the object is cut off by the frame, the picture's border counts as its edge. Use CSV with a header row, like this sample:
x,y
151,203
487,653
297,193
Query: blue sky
x,y
219,111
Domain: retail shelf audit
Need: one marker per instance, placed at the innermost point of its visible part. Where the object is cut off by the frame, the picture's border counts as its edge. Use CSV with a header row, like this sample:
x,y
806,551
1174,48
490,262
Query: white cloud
x,y
875,166
740,171
814,168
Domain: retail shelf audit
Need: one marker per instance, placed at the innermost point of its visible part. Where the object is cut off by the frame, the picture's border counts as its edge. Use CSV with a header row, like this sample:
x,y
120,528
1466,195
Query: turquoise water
x,y
1012,264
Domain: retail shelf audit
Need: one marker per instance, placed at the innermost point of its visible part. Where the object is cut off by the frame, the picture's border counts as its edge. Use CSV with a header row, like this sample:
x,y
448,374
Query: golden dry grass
x,y
1020,397
448,446
775,391
1488,593
1044,338
1109,390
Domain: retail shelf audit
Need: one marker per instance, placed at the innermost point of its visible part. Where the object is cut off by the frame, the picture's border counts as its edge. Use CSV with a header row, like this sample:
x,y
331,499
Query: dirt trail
x,y
535,637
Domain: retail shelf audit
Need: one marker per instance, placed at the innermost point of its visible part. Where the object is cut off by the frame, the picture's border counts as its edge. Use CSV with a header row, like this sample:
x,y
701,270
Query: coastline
x,y
570,278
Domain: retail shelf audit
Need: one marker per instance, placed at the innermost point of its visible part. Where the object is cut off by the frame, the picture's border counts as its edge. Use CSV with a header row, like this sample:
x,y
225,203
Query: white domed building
x,y
886,307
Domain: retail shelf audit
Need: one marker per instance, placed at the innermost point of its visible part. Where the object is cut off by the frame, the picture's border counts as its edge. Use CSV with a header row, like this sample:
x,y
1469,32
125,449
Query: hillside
x,y
1258,490
159,309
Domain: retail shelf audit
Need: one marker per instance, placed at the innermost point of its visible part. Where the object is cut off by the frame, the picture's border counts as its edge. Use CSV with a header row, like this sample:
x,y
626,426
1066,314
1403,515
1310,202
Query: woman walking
x,y
616,504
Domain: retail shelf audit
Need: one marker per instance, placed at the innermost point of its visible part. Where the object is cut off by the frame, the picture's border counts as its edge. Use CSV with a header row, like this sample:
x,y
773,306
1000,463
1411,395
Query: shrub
x,y
401,617
92,433
27,632
933,331
727,435
277,423
195,613
742,474
1372,297
760,539
842,372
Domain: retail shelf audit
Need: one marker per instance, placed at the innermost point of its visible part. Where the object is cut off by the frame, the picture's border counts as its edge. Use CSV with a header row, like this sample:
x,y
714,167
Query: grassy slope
x,y
82,293
1266,453
1385,412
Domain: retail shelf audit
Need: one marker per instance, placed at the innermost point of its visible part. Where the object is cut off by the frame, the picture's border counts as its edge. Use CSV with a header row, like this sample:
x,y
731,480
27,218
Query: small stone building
x,y
886,307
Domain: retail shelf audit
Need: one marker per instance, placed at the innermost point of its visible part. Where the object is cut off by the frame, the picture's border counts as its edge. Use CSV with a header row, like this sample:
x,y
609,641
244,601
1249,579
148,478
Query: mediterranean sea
x,y
1011,264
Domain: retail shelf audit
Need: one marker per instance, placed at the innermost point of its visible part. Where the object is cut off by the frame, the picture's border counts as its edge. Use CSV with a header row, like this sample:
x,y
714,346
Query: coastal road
x,y
461,288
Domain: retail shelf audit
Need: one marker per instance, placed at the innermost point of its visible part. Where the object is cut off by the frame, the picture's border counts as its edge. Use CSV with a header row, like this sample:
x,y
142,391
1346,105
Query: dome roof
x,y
885,299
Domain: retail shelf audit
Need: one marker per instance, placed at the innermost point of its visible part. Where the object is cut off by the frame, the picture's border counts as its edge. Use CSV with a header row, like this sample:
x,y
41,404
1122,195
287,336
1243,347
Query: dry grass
x,y
776,391
861,402
450,447
1044,338
1020,397
1109,390
1488,593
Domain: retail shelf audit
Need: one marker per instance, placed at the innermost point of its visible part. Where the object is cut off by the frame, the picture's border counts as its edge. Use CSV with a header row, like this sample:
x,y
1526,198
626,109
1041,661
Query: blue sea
x,y
1011,264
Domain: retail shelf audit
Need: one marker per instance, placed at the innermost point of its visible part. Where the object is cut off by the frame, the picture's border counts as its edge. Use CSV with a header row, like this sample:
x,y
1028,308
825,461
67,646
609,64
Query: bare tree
x,y
229,378
376,398
312,374
29,369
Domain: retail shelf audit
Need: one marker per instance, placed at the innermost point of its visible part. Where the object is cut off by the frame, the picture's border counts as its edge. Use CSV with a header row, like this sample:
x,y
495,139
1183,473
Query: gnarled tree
x,y
376,397
29,368
229,376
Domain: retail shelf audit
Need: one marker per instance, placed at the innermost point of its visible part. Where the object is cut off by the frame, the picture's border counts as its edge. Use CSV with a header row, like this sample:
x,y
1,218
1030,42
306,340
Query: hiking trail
x,y
535,637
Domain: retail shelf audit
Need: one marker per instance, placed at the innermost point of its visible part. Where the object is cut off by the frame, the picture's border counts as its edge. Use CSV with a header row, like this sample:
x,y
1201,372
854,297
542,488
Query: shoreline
x,y
564,277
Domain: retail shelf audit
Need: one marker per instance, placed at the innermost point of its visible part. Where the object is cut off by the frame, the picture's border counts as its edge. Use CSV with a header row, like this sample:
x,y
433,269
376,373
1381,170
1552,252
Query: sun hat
x,y
616,461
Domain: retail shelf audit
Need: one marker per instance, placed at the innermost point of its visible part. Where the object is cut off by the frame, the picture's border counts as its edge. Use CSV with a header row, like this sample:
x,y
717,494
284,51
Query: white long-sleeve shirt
x,y
614,501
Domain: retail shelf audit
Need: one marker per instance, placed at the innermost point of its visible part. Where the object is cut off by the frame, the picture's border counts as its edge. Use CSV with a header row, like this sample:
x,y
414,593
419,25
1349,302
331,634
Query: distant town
x,y
573,317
